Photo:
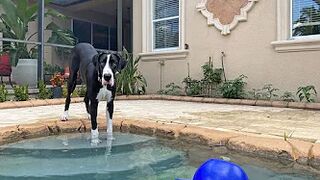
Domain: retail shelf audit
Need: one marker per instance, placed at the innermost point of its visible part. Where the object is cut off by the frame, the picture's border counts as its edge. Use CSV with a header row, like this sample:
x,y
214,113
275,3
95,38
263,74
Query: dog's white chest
x,y
104,94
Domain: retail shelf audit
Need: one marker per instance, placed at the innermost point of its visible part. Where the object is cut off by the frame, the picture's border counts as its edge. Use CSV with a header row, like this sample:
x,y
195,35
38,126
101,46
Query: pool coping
x,y
247,102
291,151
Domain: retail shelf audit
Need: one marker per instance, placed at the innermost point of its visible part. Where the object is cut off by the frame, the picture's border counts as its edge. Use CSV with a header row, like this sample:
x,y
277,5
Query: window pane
x,y
100,36
305,17
165,8
82,31
166,34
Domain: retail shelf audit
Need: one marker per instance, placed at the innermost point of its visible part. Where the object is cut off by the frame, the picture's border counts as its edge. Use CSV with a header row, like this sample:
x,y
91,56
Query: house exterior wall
x,y
248,50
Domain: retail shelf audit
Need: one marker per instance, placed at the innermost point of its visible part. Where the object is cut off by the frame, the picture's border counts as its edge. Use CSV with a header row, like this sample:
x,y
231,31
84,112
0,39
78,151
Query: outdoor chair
x,y
5,67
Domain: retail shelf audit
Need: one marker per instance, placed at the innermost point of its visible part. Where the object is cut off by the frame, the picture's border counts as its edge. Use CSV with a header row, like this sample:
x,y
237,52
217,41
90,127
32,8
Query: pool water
x,y
129,157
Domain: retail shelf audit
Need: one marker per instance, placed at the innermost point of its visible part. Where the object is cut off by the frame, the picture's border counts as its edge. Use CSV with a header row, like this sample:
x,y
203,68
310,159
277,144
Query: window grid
x,y
164,19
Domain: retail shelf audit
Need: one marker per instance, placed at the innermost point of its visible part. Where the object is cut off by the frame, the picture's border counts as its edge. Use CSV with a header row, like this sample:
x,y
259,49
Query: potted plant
x,y
57,81
14,21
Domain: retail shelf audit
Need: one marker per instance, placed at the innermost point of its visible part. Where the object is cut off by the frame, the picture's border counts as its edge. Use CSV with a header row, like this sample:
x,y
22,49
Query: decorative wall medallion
x,y
225,14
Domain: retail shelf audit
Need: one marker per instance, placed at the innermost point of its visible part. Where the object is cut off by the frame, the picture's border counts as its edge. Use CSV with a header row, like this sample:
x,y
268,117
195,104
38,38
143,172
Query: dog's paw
x,y
64,116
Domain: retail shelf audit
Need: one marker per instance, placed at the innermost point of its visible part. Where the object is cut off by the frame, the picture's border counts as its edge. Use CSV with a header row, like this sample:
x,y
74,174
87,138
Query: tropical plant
x,y
287,96
307,93
131,80
44,92
268,92
193,87
3,93
14,23
171,89
82,91
210,74
234,88
21,92
57,80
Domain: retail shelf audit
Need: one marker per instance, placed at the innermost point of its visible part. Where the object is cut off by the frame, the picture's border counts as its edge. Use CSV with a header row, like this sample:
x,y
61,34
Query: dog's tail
x,y
72,81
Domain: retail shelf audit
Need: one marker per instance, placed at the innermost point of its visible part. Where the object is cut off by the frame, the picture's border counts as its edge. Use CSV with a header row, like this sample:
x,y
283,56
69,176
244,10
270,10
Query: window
x,y
100,36
305,18
166,24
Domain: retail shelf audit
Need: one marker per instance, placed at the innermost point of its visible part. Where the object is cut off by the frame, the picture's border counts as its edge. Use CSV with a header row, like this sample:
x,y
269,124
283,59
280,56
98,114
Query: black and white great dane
x,y
97,71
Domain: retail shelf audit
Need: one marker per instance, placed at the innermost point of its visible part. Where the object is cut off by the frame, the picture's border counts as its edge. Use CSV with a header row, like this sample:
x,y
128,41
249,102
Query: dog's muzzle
x,y
107,79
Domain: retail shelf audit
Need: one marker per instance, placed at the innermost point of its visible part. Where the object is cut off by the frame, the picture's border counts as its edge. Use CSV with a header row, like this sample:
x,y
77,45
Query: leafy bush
x,y
82,91
287,96
21,93
44,92
234,88
171,89
3,93
307,93
130,80
65,91
211,75
255,94
192,86
268,92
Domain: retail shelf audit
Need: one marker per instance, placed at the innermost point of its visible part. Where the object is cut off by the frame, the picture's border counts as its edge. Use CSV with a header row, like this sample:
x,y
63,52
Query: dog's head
x,y
107,65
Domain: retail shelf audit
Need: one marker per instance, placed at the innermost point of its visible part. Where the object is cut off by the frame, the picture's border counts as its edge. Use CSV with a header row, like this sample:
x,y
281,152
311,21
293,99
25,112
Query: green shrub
x,y
82,91
44,92
255,94
268,92
233,88
307,93
171,89
21,92
192,86
211,75
287,96
3,93
130,80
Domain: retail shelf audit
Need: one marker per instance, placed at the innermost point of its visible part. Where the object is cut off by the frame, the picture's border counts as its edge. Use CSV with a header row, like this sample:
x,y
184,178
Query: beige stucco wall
x,y
248,51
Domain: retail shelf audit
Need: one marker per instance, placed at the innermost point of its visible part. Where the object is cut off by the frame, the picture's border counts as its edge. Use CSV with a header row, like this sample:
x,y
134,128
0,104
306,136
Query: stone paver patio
x,y
266,121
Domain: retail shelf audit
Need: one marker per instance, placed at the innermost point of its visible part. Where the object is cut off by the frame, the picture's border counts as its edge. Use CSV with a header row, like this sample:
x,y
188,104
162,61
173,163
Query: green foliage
x,y
130,80
234,88
307,93
3,93
211,75
44,92
21,92
255,94
14,21
268,92
82,91
171,89
193,87
51,69
287,96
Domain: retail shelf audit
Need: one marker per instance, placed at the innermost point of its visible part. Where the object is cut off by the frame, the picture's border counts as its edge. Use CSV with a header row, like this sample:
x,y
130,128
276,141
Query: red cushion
x,y
5,67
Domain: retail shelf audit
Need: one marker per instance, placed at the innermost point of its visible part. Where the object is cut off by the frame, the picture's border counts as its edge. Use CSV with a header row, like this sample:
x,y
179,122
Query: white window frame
x,y
285,42
164,19
147,30
291,27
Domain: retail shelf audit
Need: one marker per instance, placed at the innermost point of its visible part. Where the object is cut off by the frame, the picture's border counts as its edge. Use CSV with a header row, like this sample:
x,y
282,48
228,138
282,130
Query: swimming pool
x,y
132,157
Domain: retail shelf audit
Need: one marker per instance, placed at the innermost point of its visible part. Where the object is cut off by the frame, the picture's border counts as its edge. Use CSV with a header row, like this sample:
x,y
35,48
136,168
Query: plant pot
x,y
26,72
57,92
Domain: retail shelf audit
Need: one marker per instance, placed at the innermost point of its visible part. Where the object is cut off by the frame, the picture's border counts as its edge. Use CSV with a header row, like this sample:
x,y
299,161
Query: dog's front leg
x,y
94,127
109,116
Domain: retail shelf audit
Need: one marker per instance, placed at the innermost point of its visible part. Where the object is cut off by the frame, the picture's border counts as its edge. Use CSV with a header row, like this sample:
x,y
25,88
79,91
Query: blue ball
x,y
217,169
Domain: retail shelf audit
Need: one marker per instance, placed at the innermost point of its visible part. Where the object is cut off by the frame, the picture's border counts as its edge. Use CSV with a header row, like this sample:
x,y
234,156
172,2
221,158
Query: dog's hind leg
x,y
87,102
71,87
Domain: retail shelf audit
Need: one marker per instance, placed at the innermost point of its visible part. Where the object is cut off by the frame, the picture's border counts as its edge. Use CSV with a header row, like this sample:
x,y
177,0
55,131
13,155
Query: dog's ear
x,y
97,64
121,62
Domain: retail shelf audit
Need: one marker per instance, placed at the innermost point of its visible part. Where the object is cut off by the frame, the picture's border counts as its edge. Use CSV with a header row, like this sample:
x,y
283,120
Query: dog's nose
x,y
107,77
